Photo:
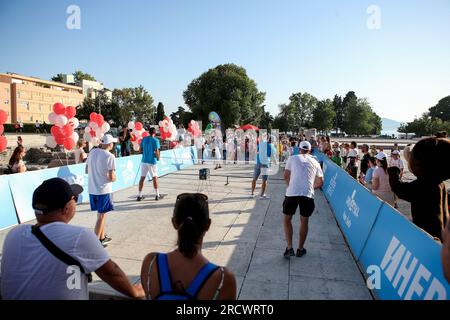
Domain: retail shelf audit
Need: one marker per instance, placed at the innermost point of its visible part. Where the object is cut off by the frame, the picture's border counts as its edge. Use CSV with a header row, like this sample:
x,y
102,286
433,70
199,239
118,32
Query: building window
x,y
25,104
6,101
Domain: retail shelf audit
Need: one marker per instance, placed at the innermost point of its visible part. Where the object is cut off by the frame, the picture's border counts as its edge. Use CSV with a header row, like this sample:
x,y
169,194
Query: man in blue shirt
x,y
150,156
265,151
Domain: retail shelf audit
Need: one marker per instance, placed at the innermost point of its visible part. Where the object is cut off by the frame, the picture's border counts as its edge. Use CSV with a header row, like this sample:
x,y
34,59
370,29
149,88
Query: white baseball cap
x,y
395,152
381,156
352,154
107,139
305,145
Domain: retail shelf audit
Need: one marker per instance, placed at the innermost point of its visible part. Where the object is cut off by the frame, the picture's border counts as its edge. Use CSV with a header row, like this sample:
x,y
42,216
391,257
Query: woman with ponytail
x,y
185,274
380,180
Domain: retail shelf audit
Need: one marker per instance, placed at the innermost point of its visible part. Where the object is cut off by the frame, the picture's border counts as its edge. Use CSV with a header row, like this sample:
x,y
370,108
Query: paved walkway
x,y
246,235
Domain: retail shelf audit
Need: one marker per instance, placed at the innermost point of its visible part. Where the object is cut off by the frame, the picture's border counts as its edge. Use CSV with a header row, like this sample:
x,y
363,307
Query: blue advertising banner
x,y
22,185
354,206
402,261
8,215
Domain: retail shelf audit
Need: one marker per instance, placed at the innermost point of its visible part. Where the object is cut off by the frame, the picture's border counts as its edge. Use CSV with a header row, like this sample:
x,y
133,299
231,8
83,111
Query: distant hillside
x,y
389,125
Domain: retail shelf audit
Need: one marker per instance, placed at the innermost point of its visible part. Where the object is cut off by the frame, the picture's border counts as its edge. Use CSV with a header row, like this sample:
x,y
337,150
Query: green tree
x,y
79,76
359,117
126,104
280,123
302,105
58,78
227,90
160,113
441,110
349,99
339,111
266,121
324,116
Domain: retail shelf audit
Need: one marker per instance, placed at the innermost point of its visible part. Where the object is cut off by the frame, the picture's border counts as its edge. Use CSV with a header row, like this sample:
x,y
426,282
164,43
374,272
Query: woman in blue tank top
x,y
185,274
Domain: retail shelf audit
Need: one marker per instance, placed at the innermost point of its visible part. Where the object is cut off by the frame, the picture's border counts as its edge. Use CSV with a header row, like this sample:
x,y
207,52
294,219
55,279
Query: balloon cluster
x,y
3,141
194,129
167,129
96,129
64,121
138,133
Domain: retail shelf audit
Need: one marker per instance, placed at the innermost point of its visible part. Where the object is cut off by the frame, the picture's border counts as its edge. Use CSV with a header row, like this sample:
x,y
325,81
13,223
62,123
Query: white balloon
x,y
135,146
95,142
50,142
160,124
106,127
52,117
99,133
61,120
74,122
93,125
75,137
131,125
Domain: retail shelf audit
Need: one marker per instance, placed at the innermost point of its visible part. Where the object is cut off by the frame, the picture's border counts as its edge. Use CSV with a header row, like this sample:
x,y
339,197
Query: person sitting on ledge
x,y
52,260
185,273
16,164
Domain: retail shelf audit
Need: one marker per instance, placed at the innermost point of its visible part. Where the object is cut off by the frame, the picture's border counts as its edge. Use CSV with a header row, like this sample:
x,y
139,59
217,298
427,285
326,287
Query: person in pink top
x,y
380,180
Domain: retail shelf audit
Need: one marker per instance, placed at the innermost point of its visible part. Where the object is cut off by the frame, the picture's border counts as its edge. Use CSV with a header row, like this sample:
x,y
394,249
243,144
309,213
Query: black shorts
x,y
306,205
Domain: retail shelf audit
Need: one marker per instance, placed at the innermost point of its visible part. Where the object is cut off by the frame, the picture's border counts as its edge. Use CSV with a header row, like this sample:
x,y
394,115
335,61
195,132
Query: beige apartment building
x,y
28,99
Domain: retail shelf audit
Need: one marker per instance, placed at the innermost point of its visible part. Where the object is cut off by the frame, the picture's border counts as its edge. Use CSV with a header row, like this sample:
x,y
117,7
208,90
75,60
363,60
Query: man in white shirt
x,y
101,168
302,175
31,271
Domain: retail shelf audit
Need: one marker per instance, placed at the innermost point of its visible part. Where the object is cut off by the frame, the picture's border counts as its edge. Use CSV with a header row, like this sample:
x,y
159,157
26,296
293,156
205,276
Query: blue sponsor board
x,y
406,258
127,171
8,216
354,206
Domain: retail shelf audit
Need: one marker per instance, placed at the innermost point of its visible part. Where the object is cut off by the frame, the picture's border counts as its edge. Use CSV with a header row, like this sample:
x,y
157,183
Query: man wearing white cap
x,y
101,168
302,175
395,161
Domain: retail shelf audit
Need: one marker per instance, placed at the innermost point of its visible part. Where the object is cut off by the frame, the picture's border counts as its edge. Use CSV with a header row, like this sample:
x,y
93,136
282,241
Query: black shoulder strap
x,y
57,252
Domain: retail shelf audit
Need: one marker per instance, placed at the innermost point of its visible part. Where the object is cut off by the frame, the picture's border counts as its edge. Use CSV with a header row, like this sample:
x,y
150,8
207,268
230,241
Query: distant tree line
x,y
436,119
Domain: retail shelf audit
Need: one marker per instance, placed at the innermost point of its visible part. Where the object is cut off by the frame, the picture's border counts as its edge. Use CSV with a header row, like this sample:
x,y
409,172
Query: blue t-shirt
x,y
270,149
149,145
369,174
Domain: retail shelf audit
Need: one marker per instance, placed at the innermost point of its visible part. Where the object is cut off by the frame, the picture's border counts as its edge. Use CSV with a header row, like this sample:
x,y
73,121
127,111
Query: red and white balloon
x,y
96,129
167,129
64,121
138,133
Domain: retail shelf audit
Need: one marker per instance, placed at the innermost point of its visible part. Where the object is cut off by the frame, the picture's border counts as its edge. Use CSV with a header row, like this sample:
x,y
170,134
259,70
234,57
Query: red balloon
x,y
59,139
3,116
59,108
56,132
93,117
100,120
70,112
3,143
139,141
69,143
133,138
67,130
2,129
138,126
145,134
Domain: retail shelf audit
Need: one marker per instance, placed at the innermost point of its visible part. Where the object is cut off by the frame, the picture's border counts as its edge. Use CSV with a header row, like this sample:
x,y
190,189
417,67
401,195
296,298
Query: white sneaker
x,y
264,197
252,196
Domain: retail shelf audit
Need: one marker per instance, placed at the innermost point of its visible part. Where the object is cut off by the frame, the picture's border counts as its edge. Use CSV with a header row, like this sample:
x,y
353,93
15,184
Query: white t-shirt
x,y
99,163
304,169
30,272
396,163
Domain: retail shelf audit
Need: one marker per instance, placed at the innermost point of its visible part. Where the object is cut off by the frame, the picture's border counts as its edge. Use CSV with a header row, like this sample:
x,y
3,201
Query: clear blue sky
x,y
321,47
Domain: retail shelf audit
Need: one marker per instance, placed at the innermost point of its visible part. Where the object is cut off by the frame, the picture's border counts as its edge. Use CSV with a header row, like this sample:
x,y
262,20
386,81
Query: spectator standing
x,y
79,153
380,180
37,127
101,169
